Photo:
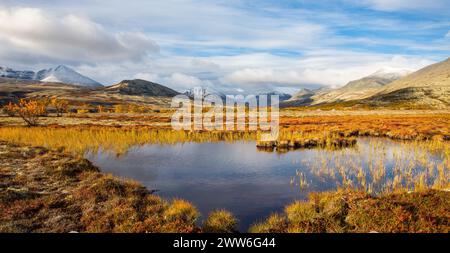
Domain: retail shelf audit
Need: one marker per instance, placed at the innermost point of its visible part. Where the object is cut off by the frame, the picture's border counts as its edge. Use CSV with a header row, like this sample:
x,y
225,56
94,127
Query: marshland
x,y
355,155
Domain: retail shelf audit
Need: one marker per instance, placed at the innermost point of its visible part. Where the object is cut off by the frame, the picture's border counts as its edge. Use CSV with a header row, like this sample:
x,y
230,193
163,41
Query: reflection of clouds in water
x,y
132,165
238,177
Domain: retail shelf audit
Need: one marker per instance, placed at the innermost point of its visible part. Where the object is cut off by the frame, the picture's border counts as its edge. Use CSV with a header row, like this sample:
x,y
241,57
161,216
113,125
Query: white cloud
x,y
264,76
34,32
402,5
225,44
177,81
182,80
147,76
255,72
332,68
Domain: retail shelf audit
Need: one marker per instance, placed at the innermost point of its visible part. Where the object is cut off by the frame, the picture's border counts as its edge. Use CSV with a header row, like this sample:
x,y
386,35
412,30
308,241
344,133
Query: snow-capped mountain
x,y
60,74
205,92
63,74
10,73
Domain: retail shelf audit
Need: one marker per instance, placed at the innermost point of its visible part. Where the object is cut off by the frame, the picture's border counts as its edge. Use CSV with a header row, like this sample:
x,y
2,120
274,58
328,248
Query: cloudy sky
x,y
229,45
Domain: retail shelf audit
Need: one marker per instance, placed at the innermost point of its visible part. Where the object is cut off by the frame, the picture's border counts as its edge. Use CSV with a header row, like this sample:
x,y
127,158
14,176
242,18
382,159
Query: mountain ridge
x,y
59,74
139,87
361,88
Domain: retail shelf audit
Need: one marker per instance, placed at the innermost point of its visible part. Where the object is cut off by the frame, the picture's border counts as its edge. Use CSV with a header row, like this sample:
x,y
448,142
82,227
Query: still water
x,y
251,183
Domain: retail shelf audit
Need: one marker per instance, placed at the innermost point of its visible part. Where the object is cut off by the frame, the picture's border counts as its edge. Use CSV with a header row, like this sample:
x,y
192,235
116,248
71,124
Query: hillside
x,y
361,88
435,75
427,87
138,87
302,97
157,95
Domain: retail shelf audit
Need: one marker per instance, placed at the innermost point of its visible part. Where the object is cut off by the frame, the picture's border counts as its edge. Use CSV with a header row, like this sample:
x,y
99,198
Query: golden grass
x,y
83,139
407,127
356,212
380,167
220,221
182,210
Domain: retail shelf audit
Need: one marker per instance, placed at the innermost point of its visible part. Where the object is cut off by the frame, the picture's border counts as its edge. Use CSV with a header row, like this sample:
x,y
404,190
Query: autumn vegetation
x,y
220,221
37,138
355,212
28,110
53,184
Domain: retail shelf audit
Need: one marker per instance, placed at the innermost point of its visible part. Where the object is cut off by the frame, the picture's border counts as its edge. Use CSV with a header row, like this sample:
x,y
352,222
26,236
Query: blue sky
x,y
227,45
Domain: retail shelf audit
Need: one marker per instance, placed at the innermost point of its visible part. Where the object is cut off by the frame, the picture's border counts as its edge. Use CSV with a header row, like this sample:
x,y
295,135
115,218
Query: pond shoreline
x,y
45,190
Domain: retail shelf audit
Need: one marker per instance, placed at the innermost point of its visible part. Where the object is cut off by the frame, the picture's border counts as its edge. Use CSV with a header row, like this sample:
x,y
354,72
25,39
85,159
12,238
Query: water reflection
x,y
252,184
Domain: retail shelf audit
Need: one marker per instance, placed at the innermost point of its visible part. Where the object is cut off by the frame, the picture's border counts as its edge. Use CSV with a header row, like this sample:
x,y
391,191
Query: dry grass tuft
x,y
276,223
350,211
220,221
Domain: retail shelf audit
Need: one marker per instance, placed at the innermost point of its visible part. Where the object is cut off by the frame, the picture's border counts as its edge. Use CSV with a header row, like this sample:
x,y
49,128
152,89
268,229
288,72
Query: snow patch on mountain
x,y
63,74
10,73
204,91
60,74
391,73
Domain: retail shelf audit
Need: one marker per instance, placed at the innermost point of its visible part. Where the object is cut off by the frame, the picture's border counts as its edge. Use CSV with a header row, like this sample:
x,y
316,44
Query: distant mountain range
x,y
429,87
302,97
210,91
60,74
205,92
361,88
281,96
128,91
10,73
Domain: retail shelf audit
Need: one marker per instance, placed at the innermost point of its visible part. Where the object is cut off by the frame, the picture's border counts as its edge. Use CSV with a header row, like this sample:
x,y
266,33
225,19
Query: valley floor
x,y
51,189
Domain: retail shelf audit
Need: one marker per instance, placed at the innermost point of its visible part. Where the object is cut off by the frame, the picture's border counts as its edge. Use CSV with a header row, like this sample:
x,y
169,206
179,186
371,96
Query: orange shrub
x,y
60,106
29,111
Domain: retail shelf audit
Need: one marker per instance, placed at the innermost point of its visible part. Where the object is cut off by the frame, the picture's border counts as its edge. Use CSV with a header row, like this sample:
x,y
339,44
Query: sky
x,y
231,46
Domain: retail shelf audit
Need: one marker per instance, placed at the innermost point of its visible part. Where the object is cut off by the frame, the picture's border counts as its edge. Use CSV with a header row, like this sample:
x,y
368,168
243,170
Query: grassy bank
x,y
45,190
51,191
79,139
425,211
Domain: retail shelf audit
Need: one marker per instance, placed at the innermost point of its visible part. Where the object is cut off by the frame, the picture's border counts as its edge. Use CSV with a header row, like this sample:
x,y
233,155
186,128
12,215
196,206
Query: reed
x,y
90,139
378,168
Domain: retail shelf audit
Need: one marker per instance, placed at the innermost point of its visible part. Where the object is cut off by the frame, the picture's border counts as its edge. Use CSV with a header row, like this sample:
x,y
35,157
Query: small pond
x,y
252,183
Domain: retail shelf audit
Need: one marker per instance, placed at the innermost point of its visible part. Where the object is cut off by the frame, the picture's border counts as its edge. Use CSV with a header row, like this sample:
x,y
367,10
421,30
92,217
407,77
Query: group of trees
x,y
30,110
